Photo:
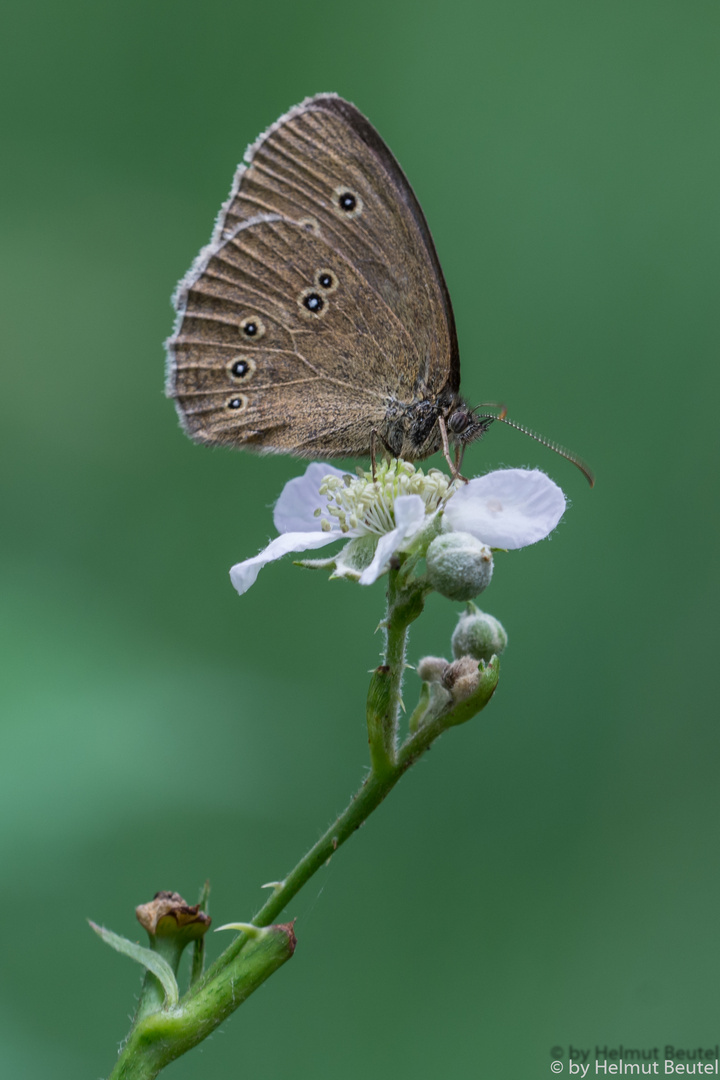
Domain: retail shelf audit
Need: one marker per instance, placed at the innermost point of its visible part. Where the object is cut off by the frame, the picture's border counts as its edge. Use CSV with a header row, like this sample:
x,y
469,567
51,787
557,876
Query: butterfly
x,y
317,321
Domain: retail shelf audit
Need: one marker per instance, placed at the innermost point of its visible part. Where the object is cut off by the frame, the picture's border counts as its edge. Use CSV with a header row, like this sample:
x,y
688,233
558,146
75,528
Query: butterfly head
x,y
464,426
414,431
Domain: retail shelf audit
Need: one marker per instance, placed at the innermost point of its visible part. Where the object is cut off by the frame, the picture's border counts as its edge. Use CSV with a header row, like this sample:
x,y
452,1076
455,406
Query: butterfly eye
x,y
242,368
347,202
252,328
237,402
458,421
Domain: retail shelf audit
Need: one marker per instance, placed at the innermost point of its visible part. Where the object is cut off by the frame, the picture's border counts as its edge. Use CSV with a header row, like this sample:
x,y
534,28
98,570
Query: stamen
x,y
367,505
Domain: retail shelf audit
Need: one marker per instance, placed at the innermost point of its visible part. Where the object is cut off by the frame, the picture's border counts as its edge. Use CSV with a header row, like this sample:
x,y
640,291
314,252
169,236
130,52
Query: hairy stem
x,y
384,700
383,711
158,1039
403,607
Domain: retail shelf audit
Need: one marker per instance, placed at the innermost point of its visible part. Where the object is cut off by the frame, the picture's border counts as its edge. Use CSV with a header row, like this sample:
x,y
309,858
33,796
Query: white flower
x,y
509,509
326,505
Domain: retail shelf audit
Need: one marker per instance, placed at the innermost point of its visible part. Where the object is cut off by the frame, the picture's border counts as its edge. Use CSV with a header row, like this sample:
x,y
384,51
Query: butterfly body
x,y
317,320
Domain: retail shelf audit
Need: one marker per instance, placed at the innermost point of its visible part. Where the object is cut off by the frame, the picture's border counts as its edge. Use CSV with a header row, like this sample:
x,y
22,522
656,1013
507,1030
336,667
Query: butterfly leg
x,y
374,436
459,454
454,466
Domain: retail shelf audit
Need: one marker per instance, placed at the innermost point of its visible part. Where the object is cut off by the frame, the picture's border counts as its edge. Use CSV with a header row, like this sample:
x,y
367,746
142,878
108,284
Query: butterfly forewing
x,y
320,300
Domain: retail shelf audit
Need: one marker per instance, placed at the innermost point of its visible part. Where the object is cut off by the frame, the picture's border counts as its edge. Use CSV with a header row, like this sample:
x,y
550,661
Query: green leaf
x,y
149,959
355,557
349,562
315,564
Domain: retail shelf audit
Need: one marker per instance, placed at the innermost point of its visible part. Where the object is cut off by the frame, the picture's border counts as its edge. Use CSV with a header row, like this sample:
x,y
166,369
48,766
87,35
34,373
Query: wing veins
x,y
215,276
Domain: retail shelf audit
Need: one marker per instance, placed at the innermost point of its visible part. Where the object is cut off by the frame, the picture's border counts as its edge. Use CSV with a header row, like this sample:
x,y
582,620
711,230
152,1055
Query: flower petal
x,y
294,511
509,508
409,513
409,517
244,574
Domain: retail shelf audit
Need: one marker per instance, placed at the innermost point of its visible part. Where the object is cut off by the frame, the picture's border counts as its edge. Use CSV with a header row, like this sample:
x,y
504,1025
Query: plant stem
x,y
383,709
198,955
384,699
159,1038
402,609
371,793
404,605
163,1036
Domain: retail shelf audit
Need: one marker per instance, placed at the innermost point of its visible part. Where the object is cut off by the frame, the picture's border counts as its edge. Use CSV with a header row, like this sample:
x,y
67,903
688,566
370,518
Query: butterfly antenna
x,y
561,450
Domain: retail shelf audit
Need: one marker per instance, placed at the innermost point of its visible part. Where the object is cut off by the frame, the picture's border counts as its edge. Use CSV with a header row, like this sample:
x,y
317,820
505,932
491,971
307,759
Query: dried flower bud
x,y
478,634
459,566
168,916
171,925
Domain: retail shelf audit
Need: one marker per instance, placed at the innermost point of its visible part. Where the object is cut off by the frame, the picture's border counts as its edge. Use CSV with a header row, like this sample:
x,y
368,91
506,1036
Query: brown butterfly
x,y
317,320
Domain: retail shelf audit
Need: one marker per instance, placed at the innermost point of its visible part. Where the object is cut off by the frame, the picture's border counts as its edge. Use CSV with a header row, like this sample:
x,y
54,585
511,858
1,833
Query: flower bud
x,y
432,668
459,566
478,634
168,916
171,925
462,678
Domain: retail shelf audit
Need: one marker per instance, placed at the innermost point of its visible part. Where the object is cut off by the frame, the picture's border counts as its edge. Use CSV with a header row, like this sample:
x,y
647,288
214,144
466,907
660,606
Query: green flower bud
x,y
478,634
459,566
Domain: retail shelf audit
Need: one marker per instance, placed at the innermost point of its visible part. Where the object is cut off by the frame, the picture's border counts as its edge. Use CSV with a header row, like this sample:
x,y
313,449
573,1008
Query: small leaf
x,y
315,564
355,557
149,959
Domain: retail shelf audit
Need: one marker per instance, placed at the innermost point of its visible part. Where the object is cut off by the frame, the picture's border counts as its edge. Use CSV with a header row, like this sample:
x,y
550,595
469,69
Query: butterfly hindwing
x,y
284,347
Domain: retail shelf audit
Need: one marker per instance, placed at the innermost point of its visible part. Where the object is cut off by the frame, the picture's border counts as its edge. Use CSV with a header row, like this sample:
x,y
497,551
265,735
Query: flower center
x,y
362,505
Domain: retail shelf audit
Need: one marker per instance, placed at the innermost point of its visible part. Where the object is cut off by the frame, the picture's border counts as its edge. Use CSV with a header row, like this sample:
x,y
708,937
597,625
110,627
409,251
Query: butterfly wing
x,y
319,363
321,252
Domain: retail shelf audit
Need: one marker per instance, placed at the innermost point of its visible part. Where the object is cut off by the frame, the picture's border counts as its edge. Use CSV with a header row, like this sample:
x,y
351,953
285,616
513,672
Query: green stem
x,y
163,1036
383,708
197,965
372,792
152,995
384,702
383,711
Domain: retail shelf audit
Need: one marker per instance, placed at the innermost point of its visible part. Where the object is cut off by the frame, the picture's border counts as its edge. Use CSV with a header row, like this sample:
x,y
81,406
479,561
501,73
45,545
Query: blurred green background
x,y
549,874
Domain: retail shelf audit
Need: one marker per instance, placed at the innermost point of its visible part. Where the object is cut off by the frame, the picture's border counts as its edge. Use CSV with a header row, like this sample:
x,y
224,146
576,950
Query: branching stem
x,y
162,1036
